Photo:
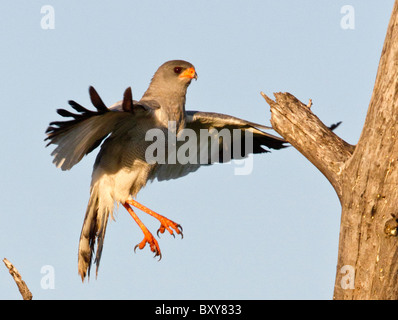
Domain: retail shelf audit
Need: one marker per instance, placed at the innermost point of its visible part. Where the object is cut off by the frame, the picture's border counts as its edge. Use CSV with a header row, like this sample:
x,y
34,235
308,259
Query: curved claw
x,y
161,230
152,243
168,225
180,228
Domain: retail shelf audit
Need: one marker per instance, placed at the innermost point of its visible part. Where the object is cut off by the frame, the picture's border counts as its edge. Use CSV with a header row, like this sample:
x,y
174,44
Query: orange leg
x,y
148,237
164,222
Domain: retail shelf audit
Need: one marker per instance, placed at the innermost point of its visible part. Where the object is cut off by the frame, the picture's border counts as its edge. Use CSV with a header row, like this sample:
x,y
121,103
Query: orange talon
x,y
164,222
153,244
161,230
148,237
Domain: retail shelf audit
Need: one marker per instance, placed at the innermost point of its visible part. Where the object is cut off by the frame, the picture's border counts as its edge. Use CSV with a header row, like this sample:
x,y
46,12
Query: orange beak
x,y
189,73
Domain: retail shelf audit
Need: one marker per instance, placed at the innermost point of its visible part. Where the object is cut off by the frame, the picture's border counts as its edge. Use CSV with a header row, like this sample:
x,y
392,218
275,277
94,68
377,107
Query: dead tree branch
x,y
296,123
23,288
365,178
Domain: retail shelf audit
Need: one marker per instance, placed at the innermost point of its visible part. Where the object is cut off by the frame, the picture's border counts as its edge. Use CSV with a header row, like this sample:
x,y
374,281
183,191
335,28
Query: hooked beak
x,y
189,73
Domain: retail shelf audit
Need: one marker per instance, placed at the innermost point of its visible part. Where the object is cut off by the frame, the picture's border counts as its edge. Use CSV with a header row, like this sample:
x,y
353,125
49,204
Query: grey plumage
x,y
121,168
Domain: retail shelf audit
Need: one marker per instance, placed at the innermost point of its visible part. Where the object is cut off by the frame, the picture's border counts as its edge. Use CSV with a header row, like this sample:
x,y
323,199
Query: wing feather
x,y
220,131
87,129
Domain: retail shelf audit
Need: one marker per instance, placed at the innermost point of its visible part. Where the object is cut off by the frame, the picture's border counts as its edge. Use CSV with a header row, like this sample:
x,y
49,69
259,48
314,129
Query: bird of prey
x,y
122,166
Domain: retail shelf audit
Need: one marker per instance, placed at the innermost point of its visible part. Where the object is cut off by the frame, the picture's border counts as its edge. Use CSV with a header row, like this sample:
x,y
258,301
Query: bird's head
x,y
172,77
176,73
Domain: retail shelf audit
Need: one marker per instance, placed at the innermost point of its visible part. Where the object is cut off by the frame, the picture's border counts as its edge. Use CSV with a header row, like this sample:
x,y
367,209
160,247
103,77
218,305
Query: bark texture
x,y
364,176
22,287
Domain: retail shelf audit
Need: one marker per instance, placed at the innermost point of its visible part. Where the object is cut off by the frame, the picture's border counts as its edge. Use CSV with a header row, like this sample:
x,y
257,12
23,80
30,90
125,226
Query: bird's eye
x,y
177,70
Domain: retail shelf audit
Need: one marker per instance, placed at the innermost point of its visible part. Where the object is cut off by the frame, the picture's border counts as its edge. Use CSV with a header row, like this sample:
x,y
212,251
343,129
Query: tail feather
x,y
93,230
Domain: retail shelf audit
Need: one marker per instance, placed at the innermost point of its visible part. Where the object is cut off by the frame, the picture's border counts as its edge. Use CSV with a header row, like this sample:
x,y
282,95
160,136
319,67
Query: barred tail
x,y
94,227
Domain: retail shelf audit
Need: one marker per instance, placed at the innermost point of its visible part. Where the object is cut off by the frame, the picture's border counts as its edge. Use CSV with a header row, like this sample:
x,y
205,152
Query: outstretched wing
x,y
219,139
87,129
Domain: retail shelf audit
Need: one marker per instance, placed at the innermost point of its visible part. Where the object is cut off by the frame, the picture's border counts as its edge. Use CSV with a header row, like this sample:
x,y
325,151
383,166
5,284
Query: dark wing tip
x,y
127,104
96,100
57,128
78,107
66,113
335,125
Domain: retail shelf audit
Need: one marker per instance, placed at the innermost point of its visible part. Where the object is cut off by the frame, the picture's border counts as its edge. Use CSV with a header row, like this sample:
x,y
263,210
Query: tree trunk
x,y
364,176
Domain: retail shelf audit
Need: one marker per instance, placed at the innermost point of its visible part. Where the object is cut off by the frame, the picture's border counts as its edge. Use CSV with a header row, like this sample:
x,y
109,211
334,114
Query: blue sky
x,y
272,234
